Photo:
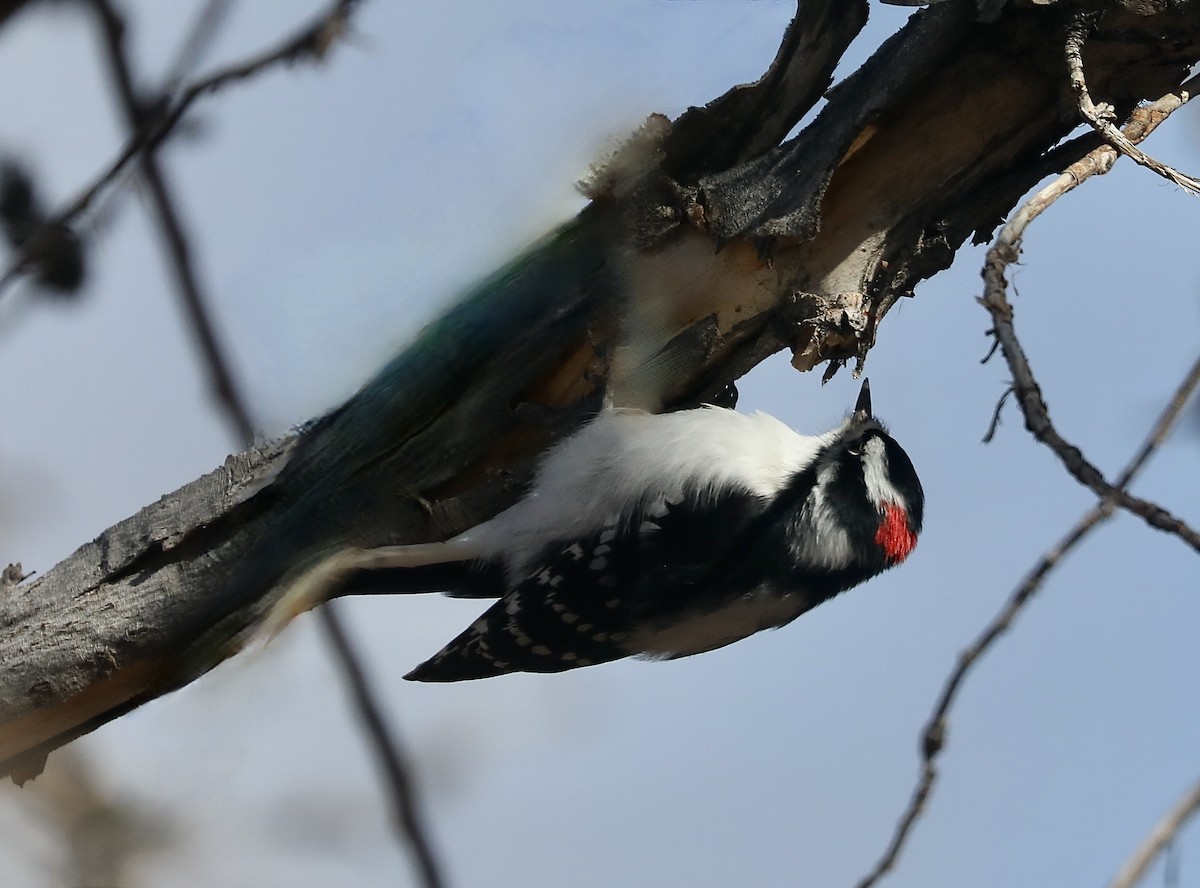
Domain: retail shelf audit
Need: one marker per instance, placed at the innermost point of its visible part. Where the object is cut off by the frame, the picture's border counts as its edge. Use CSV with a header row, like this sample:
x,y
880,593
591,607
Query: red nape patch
x,y
893,535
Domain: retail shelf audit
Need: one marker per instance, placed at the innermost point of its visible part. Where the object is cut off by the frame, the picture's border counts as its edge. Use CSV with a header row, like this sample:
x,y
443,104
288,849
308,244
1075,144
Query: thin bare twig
x,y
1037,421
316,40
1100,116
169,223
1004,251
995,423
933,736
197,42
391,759
1162,426
311,42
1163,833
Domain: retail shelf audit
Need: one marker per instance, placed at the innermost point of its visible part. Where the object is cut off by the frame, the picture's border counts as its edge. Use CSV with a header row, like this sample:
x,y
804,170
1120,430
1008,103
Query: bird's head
x,y
862,501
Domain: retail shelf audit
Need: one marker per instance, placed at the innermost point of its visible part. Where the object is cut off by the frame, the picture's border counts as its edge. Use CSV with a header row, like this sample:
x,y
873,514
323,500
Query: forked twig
x,y
312,41
933,736
1006,250
147,137
1003,252
1100,116
169,223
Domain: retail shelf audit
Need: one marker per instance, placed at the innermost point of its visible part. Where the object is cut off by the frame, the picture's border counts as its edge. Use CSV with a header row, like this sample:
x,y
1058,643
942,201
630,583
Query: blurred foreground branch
x,y
179,255
311,42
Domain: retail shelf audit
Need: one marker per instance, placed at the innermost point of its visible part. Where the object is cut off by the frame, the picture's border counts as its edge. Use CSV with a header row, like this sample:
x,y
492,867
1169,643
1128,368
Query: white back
x,y
624,458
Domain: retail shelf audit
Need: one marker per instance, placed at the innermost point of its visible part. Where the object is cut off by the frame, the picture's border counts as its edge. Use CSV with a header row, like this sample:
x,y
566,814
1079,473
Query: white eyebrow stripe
x,y
880,489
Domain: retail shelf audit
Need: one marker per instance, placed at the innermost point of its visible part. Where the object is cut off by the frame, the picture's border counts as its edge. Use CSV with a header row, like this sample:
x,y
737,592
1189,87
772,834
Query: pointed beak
x,y
862,407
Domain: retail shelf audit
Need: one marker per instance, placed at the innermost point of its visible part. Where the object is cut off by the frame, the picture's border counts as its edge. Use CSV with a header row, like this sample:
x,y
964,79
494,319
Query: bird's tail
x,y
425,567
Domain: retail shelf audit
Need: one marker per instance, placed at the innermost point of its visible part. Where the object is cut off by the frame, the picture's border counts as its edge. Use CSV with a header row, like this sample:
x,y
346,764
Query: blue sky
x,y
334,210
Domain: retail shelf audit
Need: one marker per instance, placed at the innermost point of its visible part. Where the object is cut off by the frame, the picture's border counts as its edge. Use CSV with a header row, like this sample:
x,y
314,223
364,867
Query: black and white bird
x,y
655,536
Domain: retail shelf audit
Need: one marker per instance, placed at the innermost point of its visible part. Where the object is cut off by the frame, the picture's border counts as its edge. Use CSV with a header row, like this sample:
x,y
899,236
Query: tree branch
x,y
409,820
232,404
1005,251
933,737
1100,116
932,140
179,253
311,42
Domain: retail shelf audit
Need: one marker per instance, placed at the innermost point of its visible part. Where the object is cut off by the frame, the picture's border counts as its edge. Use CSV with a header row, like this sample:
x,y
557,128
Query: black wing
x,y
580,605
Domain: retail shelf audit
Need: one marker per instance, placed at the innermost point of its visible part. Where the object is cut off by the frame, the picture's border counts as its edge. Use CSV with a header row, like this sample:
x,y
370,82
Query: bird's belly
x,y
698,632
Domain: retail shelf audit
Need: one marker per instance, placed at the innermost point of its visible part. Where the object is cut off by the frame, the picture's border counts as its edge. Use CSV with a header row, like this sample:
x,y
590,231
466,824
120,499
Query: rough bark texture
x,y
752,245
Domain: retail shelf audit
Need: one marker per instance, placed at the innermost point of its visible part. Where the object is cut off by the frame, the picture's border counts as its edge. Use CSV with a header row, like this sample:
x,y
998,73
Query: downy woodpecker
x,y
655,536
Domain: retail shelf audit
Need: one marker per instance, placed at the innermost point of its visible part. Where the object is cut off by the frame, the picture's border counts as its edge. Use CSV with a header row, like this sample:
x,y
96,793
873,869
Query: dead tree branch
x,y
1029,396
1100,116
933,736
176,243
1005,251
932,141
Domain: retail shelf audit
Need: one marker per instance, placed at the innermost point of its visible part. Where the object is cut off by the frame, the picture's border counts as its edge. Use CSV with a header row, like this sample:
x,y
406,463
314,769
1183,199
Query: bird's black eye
x,y
855,446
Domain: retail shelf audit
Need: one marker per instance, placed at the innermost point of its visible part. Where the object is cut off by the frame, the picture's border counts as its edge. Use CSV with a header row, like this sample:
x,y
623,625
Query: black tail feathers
x,y
458,579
